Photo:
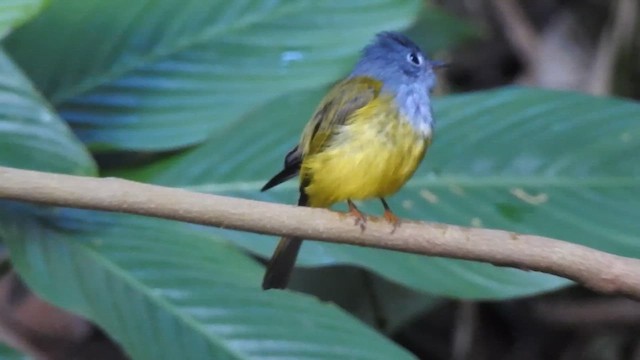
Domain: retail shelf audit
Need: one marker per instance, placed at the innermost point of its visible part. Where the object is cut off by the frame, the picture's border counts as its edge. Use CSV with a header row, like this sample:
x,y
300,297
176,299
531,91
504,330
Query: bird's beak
x,y
436,64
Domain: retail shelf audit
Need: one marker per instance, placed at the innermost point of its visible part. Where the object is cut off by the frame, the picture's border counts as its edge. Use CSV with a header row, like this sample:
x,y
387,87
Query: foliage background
x,y
209,95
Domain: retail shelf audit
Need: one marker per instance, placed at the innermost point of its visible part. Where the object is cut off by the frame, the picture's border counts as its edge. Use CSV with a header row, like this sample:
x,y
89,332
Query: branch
x,y
612,39
595,269
518,30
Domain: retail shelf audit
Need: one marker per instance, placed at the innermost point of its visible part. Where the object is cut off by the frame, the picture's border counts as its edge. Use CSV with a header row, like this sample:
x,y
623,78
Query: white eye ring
x,y
414,58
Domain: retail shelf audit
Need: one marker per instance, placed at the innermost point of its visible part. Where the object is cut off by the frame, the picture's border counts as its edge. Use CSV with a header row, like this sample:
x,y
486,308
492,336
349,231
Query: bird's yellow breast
x,y
372,155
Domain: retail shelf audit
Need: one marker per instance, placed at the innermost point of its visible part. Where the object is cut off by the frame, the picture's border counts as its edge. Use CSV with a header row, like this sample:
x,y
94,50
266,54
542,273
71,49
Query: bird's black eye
x,y
414,58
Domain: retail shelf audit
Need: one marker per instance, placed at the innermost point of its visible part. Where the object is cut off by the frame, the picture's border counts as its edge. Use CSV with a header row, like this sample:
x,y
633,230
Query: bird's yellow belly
x,y
366,160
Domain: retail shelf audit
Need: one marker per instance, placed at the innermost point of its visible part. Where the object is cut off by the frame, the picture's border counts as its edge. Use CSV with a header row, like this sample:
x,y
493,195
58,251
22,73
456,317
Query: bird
x,y
365,139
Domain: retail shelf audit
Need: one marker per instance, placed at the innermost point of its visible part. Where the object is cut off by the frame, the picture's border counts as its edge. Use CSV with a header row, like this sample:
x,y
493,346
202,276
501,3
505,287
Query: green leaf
x,y
167,290
31,134
162,74
558,164
14,12
7,353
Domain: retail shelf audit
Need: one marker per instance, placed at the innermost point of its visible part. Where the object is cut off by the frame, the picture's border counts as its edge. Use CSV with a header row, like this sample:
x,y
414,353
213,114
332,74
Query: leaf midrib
x,y
205,35
158,300
448,181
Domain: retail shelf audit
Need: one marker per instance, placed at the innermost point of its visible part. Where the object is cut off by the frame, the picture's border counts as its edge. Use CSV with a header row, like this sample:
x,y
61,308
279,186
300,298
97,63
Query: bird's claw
x,y
360,218
392,219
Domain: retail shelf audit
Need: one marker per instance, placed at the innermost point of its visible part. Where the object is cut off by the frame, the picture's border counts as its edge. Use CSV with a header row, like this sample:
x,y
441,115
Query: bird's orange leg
x,y
361,219
390,216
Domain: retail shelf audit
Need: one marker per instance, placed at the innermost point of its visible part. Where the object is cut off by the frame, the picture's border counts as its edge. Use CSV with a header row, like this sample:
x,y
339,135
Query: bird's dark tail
x,y
283,259
281,265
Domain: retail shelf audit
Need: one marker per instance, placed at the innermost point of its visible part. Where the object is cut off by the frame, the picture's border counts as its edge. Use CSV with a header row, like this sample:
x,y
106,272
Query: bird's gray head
x,y
395,60
405,72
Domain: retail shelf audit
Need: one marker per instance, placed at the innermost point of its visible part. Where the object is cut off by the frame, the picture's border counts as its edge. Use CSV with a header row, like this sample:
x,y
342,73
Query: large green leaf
x,y
31,134
558,164
167,290
15,12
161,74
7,353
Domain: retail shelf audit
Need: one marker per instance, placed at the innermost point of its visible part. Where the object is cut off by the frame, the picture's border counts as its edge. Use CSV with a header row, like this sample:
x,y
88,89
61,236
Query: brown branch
x,y
612,40
595,269
518,30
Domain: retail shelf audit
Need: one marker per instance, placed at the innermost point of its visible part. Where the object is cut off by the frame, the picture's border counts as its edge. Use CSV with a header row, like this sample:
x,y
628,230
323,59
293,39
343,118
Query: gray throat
x,y
415,104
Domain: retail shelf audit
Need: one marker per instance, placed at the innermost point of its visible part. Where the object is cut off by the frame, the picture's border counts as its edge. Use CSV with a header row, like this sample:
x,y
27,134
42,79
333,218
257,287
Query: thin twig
x,y
595,269
464,330
612,39
518,30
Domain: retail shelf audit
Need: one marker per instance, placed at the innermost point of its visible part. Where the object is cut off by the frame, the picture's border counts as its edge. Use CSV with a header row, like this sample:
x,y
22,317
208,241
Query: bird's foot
x,y
360,217
392,219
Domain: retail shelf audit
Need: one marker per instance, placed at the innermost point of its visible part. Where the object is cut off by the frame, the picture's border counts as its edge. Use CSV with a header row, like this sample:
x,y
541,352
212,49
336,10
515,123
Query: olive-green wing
x,y
335,109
